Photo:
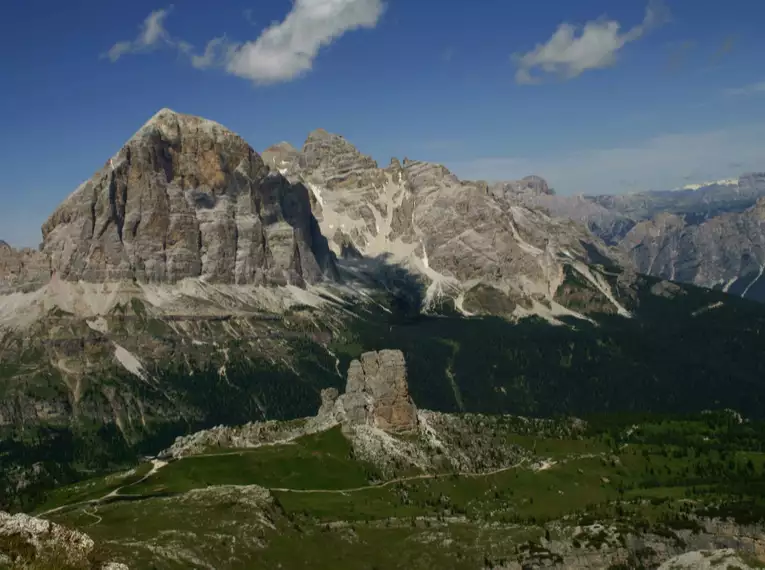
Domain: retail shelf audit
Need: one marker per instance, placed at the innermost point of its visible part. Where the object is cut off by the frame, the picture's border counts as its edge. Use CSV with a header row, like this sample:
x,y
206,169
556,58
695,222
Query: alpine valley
x,y
220,359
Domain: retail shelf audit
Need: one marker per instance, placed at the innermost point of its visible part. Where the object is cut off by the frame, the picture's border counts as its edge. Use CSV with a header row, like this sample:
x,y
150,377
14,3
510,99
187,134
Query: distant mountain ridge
x,y
709,235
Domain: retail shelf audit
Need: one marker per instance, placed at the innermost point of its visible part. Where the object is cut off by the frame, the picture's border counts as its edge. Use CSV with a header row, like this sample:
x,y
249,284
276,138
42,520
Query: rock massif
x,y
467,240
186,197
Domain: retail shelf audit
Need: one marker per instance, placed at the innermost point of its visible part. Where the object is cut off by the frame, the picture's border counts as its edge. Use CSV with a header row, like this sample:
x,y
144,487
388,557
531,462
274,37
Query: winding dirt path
x,y
156,465
403,480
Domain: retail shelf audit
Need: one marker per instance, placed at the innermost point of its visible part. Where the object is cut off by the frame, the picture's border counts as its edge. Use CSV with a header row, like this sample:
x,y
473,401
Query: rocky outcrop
x,y
186,197
377,392
24,539
376,395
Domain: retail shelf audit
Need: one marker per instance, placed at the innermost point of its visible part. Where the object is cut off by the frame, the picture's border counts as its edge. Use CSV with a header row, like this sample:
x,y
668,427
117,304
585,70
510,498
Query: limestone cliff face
x,y
186,197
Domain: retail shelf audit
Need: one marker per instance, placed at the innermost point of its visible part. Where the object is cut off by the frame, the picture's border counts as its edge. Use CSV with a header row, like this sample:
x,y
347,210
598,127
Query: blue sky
x,y
595,95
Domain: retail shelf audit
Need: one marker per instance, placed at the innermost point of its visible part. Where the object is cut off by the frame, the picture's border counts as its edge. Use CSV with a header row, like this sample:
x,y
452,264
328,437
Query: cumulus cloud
x,y
284,51
152,35
571,51
287,49
751,89
659,163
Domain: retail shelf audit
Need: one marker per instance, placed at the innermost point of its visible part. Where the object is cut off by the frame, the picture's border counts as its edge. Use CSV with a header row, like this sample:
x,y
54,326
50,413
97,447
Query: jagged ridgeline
x,y
191,283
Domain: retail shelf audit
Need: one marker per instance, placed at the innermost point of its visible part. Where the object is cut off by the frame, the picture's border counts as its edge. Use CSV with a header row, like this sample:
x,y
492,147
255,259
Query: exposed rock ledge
x,y
29,538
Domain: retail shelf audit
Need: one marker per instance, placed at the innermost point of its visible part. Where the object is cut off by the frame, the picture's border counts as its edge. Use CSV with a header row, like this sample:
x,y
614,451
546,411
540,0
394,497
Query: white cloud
x,y
568,54
152,35
659,163
287,49
283,51
751,89
210,56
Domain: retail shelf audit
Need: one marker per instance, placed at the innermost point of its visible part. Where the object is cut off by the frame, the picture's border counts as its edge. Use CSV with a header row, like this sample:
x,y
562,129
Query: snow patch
x,y
602,286
129,361
755,280
316,191
725,182
702,310
459,303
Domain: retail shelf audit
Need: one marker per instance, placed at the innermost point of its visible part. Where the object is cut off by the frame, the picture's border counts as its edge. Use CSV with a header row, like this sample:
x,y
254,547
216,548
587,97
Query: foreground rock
x,y
24,539
713,544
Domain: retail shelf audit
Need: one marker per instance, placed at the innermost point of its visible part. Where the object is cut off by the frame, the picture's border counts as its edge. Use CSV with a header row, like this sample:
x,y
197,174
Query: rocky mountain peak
x,y
537,184
185,198
333,155
322,134
281,157
525,188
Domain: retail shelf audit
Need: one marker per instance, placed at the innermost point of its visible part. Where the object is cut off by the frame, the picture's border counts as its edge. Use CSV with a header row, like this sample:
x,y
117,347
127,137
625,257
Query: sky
x,y
597,96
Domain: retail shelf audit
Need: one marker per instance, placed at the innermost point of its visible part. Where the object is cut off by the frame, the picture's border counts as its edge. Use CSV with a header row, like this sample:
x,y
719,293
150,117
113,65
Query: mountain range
x,y
194,303
192,282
